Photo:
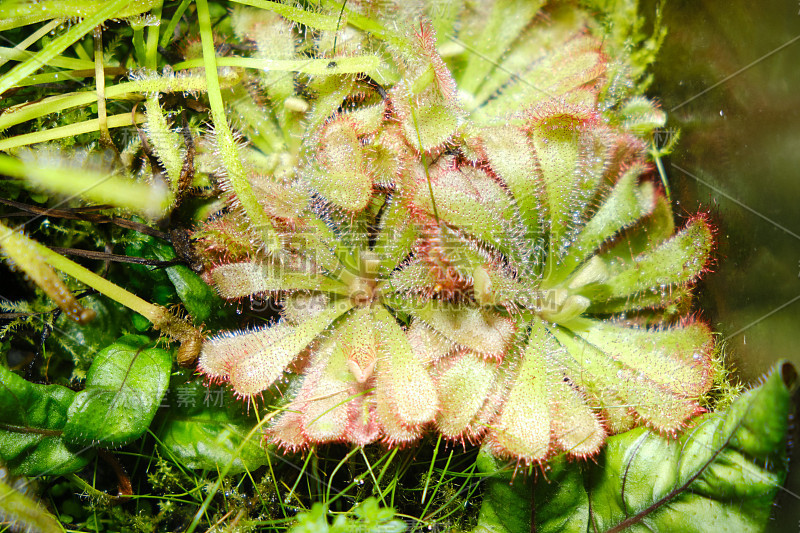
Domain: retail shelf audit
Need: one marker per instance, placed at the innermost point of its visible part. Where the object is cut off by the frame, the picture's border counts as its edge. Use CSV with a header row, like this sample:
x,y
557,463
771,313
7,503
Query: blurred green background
x,y
729,78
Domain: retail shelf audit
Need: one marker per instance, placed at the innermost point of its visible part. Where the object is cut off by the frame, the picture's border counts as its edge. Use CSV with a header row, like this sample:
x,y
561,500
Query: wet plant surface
x,y
360,268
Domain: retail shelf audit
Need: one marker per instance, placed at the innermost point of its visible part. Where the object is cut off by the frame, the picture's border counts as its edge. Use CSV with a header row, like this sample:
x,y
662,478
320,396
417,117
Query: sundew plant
x,y
372,266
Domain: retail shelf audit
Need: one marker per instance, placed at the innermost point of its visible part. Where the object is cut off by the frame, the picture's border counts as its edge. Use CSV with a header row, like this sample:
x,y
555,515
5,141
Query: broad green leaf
x,y
567,492
204,428
199,298
31,421
506,506
124,387
725,471
79,343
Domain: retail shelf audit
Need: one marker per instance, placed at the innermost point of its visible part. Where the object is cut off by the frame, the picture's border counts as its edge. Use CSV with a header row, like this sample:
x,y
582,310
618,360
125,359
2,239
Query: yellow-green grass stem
x,y
71,130
130,90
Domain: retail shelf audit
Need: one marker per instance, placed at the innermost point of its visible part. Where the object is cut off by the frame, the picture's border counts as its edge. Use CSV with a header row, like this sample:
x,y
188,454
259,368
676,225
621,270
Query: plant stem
x,y
71,130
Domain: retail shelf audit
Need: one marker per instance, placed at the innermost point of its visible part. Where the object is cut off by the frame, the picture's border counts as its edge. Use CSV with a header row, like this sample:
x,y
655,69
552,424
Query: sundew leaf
x,y
20,510
311,19
626,203
204,428
642,116
498,34
678,260
401,375
252,360
469,327
228,150
395,238
471,201
726,470
31,419
508,150
124,387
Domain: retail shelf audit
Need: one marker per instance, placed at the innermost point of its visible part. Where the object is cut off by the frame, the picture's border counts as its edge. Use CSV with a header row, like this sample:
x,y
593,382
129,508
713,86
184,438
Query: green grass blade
x,y
35,36
166,37
55,104
60,43
58,61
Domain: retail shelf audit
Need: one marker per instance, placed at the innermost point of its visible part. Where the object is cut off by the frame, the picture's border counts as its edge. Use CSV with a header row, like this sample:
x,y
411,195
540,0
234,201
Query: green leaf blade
x,y
506,504
31,419
205,429
124,387
727,468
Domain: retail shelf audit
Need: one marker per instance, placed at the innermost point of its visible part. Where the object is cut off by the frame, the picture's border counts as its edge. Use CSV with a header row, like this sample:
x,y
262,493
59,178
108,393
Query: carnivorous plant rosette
x,y
459,235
